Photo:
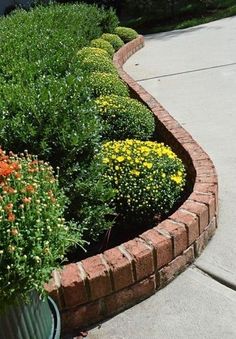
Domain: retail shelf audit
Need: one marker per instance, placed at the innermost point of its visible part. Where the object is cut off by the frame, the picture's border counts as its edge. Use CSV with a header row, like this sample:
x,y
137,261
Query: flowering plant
x,y
33,232
100,83
125,33
114,40
147,177
103,44
95,63
124,118
86,52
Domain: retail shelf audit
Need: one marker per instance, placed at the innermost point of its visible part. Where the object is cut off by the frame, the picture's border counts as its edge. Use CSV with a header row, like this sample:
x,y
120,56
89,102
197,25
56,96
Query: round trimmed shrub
x,y
105,84
86,52
147,177
114,40
125,33
94,63
125,118
103,44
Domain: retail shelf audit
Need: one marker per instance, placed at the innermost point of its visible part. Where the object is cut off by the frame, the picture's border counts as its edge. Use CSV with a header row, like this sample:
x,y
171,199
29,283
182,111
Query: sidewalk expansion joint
x,y
215,277
186,72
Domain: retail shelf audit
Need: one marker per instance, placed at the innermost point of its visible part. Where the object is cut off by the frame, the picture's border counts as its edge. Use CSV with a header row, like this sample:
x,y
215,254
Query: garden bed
x,y
100,286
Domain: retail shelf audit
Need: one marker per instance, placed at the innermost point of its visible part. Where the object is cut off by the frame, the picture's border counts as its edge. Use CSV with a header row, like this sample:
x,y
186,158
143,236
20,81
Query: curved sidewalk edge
x,y
103,285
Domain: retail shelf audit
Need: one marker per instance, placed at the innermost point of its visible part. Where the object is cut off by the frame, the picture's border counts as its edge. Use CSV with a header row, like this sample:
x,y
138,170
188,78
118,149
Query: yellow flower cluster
x,y
106,103
103,44
101,83
88,51
147,176
125,118
113,39
94,63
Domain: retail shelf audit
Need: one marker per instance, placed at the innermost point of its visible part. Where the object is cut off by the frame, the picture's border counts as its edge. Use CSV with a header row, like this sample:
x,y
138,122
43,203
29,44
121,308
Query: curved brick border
x,y
103,285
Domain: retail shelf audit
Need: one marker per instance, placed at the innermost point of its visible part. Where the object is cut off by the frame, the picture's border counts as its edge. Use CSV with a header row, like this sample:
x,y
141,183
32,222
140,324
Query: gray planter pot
x,y
39,319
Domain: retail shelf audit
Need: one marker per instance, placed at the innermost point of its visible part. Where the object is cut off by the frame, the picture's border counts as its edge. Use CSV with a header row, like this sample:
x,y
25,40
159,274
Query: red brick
x,y
208,188
121,268
151,102
145,96
73,286
182,135
98,277
205,171
178,234
143,257
202,241
207,199
176,266
82,316
194,149
213,179
172,125
158,112
162,247
190,221
130,295
200,210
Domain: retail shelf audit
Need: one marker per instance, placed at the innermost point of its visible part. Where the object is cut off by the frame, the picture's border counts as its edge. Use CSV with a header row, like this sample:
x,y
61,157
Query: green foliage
x,y
114,40
106,84
109,20
125,118
90,198
45,105
43,41
95,63
103,44
126,34
41,117
148,178
34,234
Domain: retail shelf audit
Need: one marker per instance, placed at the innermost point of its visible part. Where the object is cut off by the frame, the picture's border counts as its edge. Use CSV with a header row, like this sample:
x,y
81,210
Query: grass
x,y
145,26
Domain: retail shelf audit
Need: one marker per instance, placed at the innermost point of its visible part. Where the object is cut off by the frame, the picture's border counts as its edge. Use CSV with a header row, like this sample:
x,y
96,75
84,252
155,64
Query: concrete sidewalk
x,y
192,73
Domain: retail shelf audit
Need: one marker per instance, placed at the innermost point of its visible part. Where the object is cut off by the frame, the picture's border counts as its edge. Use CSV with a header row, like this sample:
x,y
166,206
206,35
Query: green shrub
x,y
106,84
45,40
86,52
125,118
90,198
41,117
94,63
103,44
57,118
147,176
126,34
109,19
45,106
114,40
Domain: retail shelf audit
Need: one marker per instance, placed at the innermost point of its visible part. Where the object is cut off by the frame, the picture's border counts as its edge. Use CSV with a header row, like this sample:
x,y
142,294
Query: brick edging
x,y
100,286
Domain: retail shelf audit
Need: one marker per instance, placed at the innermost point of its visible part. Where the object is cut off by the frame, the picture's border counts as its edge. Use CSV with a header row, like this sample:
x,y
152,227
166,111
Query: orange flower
x,y
30,189
15,166
8,207
8,189
14,232
17,175
5,169
26,200
53,199
11,217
